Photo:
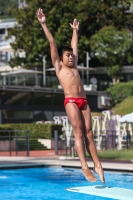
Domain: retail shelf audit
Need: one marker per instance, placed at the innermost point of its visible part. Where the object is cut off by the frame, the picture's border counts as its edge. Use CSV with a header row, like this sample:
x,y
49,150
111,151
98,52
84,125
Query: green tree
x,y
93,15
4,8
113,48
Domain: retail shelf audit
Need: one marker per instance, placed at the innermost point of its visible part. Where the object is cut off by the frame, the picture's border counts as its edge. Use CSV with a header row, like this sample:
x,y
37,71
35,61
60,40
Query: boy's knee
x,y
89,133
78,131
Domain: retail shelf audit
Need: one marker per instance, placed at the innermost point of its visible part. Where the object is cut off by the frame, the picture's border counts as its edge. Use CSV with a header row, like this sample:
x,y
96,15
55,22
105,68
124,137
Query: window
x,y
43,99
16,98
2,31
11,114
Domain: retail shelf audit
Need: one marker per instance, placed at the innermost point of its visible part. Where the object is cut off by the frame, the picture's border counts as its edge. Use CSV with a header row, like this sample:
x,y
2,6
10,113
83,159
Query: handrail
x,y
7,20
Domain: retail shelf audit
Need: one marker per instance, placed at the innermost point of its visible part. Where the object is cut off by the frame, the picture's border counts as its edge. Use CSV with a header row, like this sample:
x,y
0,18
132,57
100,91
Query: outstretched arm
x,y
53,49
74,41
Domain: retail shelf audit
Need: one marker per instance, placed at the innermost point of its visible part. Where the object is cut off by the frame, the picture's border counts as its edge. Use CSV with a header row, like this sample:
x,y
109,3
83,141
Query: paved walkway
x,y
61,161
40,153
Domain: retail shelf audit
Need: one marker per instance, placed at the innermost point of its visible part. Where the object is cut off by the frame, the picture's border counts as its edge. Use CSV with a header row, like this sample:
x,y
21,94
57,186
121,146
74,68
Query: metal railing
x,y
14,143
8,20
64,145
110,140
113,139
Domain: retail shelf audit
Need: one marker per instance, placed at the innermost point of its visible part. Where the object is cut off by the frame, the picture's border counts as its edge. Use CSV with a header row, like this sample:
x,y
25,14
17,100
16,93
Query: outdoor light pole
x,y
87,65
44,71
0,113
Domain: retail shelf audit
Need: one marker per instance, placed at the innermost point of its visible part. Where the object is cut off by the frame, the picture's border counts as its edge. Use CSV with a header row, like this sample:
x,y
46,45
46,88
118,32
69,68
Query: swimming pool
x,y
51,183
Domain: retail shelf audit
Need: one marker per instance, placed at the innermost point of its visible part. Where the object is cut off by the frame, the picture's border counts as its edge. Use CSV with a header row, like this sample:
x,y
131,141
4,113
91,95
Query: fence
x,y
67,147
113,139
12,144
108,140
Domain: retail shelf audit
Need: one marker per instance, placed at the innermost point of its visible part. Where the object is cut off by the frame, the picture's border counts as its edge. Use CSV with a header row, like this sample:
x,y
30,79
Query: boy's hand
x,y
40,15
75,24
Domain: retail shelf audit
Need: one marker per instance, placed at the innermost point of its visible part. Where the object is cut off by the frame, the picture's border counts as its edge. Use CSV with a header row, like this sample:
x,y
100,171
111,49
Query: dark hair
x,y
63,48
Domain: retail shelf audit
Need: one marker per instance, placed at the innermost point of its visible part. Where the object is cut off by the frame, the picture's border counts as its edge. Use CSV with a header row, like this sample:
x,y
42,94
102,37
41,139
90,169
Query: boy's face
x,y
68,58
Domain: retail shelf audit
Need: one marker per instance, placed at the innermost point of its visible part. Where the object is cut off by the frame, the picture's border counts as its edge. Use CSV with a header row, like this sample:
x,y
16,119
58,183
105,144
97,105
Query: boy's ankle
x,y
85,166
98,165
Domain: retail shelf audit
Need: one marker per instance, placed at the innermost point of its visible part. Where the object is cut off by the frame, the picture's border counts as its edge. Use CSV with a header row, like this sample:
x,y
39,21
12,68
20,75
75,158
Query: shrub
x,y
118,92
44,131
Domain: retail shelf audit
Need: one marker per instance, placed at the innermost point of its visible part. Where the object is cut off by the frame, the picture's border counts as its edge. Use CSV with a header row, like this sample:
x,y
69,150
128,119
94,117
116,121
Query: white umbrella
x,y
80,68
21,71
126,118
6,48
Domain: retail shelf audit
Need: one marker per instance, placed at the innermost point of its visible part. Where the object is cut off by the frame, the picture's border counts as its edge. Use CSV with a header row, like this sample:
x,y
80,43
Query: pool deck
x,y
7,162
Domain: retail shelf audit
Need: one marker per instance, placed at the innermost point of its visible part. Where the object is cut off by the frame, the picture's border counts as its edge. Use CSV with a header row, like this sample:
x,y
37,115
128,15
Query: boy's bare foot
x,y
88,175
99,171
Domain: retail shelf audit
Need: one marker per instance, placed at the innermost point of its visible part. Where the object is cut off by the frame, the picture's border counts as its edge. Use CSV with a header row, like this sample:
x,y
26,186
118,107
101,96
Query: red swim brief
x,y
79,101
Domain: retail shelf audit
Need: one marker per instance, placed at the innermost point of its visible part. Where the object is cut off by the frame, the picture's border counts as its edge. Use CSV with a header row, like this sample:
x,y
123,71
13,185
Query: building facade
x,y
20,104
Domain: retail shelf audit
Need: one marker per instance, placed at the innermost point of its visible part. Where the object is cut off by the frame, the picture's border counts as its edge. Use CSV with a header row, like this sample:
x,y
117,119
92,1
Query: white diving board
x,y
105,191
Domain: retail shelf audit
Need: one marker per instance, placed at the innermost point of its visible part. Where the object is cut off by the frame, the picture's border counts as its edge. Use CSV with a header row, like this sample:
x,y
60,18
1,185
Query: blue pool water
x,y
51,183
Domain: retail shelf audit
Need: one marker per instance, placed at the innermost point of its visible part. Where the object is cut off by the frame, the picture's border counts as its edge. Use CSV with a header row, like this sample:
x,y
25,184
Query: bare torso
x,y
71,83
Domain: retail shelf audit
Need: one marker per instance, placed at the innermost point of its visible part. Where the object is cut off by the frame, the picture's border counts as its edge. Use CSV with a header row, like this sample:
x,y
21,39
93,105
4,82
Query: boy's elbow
x,y
52,42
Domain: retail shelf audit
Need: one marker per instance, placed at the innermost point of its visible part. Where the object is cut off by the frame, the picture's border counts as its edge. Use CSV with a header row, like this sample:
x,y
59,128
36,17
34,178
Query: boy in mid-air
x,y
65,62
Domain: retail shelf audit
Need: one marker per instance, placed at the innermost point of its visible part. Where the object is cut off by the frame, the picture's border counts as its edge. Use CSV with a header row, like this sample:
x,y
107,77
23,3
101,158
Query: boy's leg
x,y
75,119
89,140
